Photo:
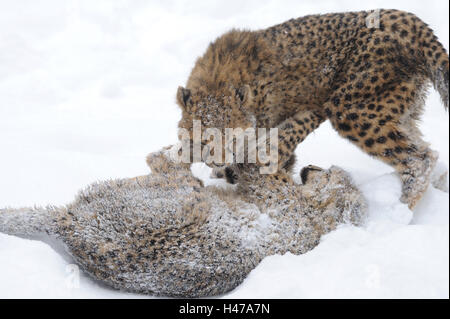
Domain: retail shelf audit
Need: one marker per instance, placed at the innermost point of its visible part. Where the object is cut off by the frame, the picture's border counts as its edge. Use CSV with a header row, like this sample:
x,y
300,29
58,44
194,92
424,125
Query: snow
x,y
87,90
384,260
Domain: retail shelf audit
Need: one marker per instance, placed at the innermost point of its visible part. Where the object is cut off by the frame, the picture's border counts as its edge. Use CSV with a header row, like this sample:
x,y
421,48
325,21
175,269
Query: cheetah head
x,y
215,115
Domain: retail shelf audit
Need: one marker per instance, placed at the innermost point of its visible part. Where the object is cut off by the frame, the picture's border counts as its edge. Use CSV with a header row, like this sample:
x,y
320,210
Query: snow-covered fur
x,y
166,234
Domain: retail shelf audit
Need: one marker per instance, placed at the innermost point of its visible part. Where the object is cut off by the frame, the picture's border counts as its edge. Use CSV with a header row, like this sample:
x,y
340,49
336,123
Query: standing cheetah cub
x,y
366,72
165,234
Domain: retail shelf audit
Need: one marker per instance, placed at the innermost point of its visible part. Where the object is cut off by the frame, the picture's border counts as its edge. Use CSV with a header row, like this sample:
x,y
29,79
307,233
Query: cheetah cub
x,y
366,72
167,235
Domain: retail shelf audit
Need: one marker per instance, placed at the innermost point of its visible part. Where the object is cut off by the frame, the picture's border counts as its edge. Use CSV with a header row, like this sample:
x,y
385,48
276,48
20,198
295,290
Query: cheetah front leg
x,y
292,132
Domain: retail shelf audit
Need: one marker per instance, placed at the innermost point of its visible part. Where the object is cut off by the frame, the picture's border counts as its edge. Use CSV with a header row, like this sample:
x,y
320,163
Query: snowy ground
x,y
87,90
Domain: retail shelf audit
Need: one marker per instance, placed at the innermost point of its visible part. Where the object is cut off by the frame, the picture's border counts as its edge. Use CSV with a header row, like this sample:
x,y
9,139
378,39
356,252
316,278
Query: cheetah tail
x,y
28,222
438,68
440,81
430,51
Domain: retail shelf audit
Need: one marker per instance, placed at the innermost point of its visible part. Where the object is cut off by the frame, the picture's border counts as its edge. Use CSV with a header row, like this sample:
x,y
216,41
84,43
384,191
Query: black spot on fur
x,y
369,142
388,152
394,27
381,140
336,101
344,127
392,136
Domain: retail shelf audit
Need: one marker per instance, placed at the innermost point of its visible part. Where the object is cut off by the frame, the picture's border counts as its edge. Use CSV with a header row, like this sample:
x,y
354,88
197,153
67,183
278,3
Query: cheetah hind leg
x,y
439,177
417,177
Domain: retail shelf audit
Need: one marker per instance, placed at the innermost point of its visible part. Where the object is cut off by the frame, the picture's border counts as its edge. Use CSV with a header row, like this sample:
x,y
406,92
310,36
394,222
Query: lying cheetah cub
x,y
367,72
167,235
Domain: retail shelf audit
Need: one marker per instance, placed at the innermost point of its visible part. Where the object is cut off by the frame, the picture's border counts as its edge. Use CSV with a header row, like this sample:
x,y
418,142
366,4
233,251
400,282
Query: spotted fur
x,y
370,82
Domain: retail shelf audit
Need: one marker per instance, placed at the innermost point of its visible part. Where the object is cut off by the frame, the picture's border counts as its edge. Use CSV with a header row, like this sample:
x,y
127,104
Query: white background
x,y
87,89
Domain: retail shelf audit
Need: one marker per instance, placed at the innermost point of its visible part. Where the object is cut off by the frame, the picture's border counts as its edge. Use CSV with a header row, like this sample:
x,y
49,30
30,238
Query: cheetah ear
x,y
244,93
183,97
